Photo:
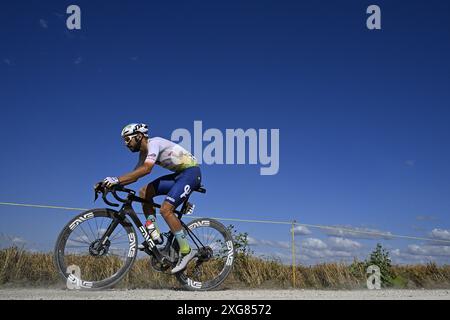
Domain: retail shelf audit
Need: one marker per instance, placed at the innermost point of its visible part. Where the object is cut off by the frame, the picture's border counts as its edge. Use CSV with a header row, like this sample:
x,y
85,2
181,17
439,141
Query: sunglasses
x,y
128,139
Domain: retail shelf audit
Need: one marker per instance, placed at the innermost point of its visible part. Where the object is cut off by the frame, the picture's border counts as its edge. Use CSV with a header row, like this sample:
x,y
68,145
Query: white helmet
x,y
133,128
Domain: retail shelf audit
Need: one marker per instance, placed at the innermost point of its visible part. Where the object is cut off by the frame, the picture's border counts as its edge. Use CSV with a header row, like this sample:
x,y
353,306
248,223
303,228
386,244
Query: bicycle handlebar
x,y
104,190
121,188
131,194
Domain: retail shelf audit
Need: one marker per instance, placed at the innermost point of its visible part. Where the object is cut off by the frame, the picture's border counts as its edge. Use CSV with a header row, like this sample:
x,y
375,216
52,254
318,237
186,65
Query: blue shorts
x,y
177,186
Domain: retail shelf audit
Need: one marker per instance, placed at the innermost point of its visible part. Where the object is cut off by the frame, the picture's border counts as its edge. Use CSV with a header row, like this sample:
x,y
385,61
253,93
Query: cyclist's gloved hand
x,y
110,181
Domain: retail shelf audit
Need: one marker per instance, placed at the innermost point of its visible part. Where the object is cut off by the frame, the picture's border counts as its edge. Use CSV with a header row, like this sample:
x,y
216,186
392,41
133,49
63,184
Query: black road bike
x,y
98,247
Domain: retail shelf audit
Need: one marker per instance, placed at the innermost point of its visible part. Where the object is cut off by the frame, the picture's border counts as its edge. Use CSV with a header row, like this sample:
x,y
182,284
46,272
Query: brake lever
x,y
100,188
97,189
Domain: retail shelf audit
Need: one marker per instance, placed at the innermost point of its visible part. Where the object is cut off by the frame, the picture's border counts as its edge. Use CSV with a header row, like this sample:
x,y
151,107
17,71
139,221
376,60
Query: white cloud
x,y
404,258
326,253
343,244
313,243
252,241
358,233
11,240
313,254
338,253
43,23
18,240
301,231
415,254
269,243
440,234
335,248
276,244
428,250
312,257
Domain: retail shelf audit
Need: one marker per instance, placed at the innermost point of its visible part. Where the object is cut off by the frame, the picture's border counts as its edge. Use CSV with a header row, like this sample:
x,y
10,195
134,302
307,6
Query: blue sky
x,y
363,115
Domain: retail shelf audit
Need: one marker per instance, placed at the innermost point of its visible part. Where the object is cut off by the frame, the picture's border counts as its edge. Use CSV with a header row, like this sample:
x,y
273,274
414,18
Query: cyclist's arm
x,y
140,171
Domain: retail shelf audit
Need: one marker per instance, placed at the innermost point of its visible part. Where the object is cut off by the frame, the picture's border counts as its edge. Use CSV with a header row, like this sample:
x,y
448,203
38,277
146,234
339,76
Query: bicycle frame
x,y
127,210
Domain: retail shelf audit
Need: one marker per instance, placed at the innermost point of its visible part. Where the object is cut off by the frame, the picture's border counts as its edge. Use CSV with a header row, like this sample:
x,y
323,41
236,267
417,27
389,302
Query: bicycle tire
x,y
64,235
193,285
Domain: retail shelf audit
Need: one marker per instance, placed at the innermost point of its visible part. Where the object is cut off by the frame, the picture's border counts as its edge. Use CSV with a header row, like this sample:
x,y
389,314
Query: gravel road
x,y
164,294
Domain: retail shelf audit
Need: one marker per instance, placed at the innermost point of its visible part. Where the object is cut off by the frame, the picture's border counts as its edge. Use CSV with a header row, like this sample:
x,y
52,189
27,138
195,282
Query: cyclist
x,y
185,178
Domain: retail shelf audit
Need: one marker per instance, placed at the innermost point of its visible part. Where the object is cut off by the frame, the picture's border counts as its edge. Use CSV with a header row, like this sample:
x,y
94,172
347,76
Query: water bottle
x,y
153,230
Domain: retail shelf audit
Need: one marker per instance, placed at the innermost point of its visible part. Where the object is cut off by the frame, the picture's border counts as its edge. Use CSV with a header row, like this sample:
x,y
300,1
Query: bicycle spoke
x,y
89,225
81,237
211,241
117,236
102,230
115,242
81,227
98,231
78,241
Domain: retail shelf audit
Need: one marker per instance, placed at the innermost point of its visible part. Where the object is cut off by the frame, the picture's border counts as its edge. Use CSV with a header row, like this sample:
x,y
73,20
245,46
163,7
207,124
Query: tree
x,y
240,241
380,257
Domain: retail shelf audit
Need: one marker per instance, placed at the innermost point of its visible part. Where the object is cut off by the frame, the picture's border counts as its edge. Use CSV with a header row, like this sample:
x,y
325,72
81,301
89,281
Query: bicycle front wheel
x,y
215,258
84,260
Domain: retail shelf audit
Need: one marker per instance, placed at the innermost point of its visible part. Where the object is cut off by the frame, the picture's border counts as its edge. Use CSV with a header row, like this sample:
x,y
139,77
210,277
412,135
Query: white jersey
x,y
169,155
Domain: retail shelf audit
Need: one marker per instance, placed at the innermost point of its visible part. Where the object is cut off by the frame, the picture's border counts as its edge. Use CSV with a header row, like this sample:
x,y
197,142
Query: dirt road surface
x,y
164,294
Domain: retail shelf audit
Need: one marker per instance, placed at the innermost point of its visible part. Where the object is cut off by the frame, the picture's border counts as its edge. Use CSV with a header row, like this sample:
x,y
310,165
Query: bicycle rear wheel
x,y
215,260
84,261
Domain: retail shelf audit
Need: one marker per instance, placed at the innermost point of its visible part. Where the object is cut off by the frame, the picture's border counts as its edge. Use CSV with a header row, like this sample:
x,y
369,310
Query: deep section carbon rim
x,y
215,260
87,263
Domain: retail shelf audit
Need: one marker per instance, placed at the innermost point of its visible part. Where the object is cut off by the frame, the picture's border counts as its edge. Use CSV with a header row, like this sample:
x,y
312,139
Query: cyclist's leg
x,y
185,182
159,186
148,192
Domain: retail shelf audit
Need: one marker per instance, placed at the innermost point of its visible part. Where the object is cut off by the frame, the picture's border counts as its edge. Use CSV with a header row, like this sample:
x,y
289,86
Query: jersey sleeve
x,y
153,152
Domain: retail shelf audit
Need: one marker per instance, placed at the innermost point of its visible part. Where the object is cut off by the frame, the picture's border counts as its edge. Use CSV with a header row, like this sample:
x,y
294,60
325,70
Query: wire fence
x,y
341,231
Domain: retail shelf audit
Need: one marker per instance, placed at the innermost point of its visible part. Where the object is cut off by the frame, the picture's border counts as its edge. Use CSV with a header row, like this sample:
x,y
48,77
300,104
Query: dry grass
x,y
23,268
